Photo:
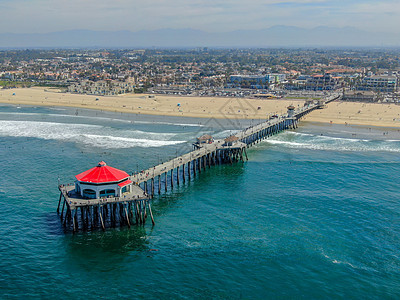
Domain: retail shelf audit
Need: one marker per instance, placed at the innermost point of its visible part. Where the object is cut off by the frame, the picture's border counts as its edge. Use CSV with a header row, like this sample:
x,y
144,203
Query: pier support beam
x,y
74,221
62,211
101,217
59,202
199,164
127,216
183,173
151,215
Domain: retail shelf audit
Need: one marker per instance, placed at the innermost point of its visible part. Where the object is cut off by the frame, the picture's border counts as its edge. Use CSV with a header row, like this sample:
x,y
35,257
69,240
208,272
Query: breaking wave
x,y
103,118
224,134
89,135
318,142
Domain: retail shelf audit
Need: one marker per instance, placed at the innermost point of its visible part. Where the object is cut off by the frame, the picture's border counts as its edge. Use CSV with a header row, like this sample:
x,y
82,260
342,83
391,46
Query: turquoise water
x,y
308,216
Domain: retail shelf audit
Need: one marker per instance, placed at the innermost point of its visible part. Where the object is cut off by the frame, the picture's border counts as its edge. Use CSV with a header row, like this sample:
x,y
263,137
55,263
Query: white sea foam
x,y
301,133
295,144
90,135
168,123
335,261
103,118
317,142
224,133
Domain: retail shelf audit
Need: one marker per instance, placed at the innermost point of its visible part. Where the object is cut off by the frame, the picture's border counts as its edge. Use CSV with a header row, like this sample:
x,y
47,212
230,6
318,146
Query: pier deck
x,y
74,200
130,207
209,153
220,151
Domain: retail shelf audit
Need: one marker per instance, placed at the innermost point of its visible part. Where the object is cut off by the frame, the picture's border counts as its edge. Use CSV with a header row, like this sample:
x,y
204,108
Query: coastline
x,y
357,113
338,112
177,106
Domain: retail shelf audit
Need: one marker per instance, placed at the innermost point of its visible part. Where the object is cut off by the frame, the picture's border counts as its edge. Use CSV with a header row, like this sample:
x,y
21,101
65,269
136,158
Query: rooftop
x,y
102,174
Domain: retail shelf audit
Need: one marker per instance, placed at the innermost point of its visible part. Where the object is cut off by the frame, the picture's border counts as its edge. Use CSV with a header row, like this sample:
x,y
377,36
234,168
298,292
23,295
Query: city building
x,y
324,82
358,96
378,83
256,81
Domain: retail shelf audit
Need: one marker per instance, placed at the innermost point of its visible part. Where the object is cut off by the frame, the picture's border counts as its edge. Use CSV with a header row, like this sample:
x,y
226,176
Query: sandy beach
x,y
356,113
387,115
201,107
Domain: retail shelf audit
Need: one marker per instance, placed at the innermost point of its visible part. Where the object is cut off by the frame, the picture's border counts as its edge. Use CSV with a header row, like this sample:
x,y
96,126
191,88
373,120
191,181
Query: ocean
x,y
314,213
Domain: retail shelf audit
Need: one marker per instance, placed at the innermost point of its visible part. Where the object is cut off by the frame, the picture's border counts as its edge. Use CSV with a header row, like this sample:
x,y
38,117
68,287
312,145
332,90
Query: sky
x,y
42,16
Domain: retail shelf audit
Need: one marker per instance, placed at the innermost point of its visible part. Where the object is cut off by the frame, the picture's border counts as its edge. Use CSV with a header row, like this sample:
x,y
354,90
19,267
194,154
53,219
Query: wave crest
x,y
89,135
318,142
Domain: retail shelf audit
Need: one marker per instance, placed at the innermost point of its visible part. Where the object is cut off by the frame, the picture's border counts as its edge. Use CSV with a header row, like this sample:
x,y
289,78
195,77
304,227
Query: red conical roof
x,y
102,174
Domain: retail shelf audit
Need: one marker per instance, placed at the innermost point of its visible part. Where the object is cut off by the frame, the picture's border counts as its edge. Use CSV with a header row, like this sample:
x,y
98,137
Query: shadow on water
x,y
53,223
91,247
122,240
106,251
198,184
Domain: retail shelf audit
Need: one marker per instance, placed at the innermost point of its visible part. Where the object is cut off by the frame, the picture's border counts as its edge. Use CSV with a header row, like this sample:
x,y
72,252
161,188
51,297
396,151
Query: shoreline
x,y
357,113
176,106
341,113
380,128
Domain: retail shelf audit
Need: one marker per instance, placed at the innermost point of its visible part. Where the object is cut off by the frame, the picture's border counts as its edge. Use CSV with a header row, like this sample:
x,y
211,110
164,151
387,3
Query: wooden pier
x,y
220,151
134,207
131,208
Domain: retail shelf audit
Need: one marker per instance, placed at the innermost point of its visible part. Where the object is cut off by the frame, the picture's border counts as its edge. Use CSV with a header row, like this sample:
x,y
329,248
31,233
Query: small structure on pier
x,y
104,196
102,181
321,104
230,140
290,111
232,149
203,140
308,102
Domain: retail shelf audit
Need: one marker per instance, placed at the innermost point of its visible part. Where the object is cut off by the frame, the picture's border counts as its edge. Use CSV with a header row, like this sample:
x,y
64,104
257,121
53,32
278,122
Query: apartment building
x,y
378,83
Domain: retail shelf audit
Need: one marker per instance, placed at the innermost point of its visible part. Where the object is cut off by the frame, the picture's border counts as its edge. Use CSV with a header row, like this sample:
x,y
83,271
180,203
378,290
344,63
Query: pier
x,y
220,151
133,206
112,211
103,196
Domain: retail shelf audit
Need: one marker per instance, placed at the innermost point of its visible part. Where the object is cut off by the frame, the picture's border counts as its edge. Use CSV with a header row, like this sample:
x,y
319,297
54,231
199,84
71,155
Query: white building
x,y
379,83
102,181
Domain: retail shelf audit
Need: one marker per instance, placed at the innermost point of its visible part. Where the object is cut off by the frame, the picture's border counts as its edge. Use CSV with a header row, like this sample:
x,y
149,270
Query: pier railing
x,y
146,182
218,152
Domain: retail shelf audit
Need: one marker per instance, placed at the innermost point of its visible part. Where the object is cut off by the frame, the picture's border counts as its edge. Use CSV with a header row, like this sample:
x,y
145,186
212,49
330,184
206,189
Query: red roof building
x,y
102,181
102,174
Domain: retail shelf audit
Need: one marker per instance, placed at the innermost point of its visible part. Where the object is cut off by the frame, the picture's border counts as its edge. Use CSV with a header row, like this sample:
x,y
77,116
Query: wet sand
x,y
346,113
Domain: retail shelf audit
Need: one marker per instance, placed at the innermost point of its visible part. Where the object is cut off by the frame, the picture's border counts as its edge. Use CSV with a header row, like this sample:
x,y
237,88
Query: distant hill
x,y
277,36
